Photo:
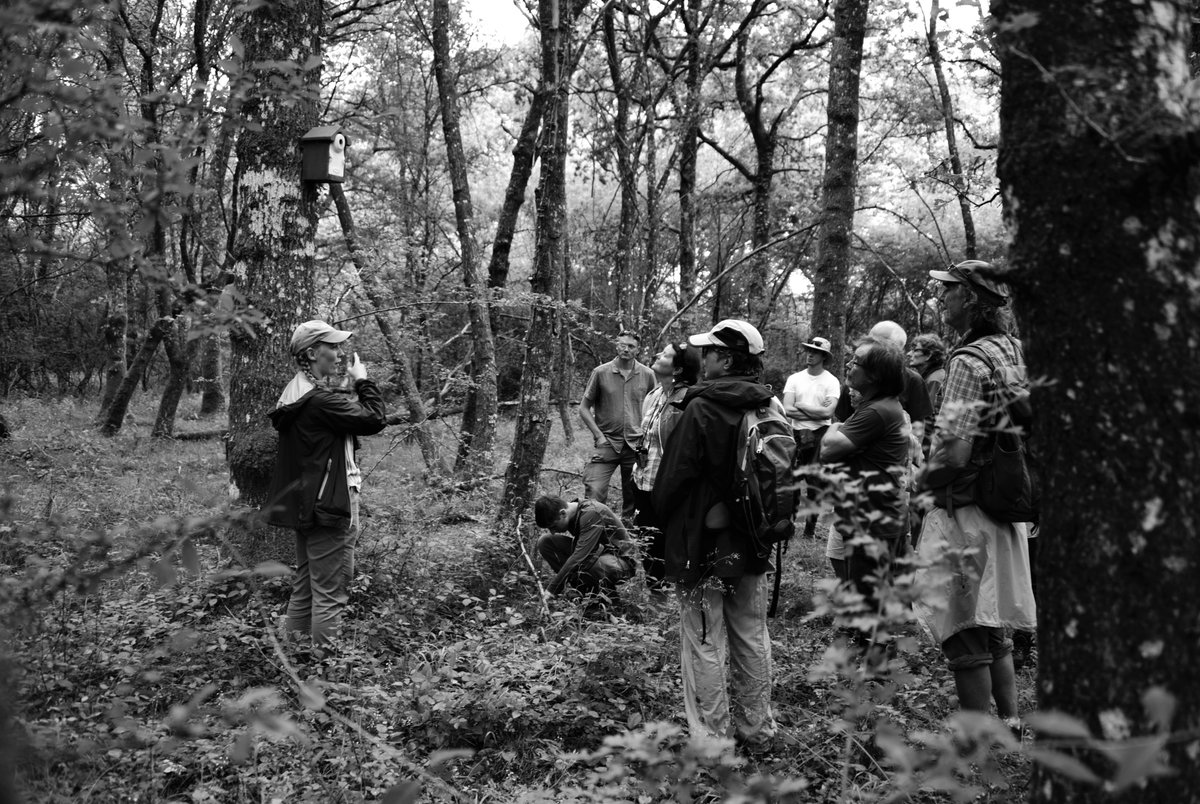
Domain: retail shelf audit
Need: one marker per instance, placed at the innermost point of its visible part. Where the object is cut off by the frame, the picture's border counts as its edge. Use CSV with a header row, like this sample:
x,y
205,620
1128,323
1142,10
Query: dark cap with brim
x,y
970,273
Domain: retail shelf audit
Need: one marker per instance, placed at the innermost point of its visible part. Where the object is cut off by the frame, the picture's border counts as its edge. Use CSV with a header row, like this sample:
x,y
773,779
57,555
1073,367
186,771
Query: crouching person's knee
x,y
609,570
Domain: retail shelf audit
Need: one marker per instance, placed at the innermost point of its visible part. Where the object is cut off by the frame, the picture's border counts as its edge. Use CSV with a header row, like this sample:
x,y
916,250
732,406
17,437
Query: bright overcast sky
x,y
498,19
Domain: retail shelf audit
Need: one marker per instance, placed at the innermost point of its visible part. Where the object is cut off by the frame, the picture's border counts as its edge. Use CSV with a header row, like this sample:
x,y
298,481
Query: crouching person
x,y
587,547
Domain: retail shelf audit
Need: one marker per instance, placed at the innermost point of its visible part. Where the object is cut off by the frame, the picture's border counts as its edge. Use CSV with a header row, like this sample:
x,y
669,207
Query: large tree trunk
x,y
117,270
1100,170
541,345
626,176
479,434
839,184
958,178
114,415
758,273
212,395
114,346
277,220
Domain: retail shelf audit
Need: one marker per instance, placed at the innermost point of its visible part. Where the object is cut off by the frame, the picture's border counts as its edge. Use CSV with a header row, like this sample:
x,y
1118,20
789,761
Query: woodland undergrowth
x,y
141,662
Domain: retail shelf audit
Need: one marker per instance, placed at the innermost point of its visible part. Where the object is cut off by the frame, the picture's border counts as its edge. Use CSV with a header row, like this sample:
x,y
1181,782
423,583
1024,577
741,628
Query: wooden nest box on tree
x,y
323,154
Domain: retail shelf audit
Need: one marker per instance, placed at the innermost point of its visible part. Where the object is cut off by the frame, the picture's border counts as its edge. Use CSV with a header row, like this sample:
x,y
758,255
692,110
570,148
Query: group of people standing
x,y
880,428
673,429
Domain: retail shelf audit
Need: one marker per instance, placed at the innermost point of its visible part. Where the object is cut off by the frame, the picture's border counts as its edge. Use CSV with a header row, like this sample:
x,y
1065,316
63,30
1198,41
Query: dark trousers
x,y
599,572
653,541
808,449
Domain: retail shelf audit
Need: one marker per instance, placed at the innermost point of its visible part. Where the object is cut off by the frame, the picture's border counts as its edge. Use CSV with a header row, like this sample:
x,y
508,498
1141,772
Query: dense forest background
x,y
123,200
510,204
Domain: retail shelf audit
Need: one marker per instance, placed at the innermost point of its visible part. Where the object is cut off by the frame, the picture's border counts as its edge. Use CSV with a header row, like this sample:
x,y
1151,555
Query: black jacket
x,y
697,473
309,487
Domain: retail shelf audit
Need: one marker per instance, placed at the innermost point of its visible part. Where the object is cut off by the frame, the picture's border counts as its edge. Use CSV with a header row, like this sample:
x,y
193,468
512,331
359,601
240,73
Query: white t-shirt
x,y
822,390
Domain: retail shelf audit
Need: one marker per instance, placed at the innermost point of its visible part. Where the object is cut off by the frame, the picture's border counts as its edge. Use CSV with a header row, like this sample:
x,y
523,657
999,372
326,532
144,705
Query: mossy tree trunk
x,y
1100,171
840,180
276,220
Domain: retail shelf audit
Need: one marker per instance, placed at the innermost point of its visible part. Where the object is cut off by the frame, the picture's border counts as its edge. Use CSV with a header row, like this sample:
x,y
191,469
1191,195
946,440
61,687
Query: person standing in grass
x,y
611,409
722,580
976,567
316,484
810,397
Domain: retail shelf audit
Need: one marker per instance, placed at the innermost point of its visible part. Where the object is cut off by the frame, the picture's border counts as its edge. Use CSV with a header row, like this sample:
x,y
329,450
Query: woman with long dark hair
x,y
677,368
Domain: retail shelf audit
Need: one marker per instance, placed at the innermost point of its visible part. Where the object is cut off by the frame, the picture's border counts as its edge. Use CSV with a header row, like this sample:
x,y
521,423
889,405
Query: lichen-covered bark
x,y
277,219
212,395
1099,170
542,341
840,181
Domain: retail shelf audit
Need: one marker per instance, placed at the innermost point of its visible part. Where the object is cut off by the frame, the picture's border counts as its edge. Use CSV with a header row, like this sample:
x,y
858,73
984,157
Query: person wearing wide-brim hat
x,y
971,605
316,484
809,397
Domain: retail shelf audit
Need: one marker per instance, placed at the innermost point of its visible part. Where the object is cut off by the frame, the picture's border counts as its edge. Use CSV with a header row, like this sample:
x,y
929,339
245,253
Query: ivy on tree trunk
x,y
277,220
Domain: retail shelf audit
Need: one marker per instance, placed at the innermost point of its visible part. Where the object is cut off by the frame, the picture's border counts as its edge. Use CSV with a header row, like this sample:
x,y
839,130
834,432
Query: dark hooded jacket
x,y
697,473
309,487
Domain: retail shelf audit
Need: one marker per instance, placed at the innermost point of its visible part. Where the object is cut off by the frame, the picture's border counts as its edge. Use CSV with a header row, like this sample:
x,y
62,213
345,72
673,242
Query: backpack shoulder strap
x,y
747,422
977,352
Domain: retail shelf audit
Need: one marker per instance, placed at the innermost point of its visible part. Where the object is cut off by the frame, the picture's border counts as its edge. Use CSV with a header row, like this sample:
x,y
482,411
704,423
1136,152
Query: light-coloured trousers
x,y
324,570
715,624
